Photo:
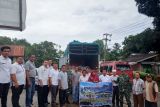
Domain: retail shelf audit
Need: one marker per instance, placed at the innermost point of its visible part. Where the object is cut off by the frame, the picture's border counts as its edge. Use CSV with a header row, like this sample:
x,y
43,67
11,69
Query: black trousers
x,y
150,104
42,95
54,92
62,96
16,92
115,95
47,96
4,87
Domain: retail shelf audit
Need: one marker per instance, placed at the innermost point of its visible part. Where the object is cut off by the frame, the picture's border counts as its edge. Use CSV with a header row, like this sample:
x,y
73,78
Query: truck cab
x,y
118,66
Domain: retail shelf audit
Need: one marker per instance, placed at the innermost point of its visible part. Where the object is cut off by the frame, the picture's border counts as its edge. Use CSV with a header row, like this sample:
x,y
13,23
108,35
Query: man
x,y
115,89
50,68
124,88
75,85
53,79
43,77
151,92
18,77
83,77
63,85
104,77
5,66
137,90
30,83
69,74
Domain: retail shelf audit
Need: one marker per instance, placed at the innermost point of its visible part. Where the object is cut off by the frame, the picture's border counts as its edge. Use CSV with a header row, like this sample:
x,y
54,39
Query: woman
x,y
94,77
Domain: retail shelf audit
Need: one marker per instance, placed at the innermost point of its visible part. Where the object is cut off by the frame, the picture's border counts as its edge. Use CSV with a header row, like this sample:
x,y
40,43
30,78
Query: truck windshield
x,y
123,67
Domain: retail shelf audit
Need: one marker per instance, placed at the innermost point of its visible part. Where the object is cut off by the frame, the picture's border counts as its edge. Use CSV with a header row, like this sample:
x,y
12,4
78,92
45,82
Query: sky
x,y
62,21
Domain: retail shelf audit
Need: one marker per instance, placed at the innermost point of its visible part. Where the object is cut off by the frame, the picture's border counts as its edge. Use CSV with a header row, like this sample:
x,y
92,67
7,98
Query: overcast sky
x,y
62,21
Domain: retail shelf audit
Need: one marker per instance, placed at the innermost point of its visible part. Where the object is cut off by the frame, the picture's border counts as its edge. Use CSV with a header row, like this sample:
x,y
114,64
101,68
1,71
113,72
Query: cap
x,y
113,70
149,75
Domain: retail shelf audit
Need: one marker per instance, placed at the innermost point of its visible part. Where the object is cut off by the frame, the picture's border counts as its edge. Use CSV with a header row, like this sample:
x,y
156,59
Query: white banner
x,y
12,14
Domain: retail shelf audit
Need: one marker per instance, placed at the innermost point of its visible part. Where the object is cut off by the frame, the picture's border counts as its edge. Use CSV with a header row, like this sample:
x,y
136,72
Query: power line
x,y
133,29
137,23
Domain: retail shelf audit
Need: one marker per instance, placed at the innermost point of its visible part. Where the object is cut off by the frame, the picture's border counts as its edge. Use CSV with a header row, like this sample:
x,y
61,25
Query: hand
x,y
156,99
60,87
41,84
16,85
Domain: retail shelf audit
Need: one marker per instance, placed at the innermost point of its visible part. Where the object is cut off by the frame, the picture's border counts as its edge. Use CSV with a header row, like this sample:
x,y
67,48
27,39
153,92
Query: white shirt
x,y
83,78
63,77
114,78
19,71
138,86
5,67
54,76
43,74
106,78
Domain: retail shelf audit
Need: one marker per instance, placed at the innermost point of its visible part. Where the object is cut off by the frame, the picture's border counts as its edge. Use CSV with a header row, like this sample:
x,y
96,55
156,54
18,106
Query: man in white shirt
x,y
43,77
104,77
18,77
115,89
83,77
5,66
53,80
50,68
63,85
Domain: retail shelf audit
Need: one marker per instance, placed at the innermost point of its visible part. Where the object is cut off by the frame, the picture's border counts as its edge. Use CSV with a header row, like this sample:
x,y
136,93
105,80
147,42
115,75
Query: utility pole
x,y
106,39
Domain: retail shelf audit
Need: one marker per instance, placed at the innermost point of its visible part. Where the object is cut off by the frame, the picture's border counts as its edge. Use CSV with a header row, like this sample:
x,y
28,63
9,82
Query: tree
x,y
5,40
101,48
115,53
112,54
45,51
144,42
150,8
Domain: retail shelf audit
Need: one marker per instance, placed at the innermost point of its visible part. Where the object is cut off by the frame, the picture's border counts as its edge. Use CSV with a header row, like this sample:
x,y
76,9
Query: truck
x,y
81,54
118,66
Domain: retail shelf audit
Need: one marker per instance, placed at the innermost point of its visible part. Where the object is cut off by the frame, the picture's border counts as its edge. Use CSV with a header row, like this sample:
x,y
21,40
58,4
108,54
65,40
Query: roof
x,y
16,50
140,57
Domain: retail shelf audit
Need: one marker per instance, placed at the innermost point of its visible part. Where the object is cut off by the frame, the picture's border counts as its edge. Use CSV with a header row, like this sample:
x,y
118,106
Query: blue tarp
x,y
95,94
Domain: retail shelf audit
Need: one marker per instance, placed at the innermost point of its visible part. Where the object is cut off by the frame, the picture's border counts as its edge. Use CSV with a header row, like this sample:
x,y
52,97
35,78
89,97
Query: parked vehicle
x,y
81,54
118,66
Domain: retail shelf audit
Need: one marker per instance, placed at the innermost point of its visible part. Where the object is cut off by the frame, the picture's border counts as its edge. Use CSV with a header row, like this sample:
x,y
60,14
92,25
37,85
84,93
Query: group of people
x,y
66,81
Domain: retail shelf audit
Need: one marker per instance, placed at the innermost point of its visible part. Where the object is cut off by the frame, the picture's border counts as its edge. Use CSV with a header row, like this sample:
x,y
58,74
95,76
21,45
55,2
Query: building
x,y
145,62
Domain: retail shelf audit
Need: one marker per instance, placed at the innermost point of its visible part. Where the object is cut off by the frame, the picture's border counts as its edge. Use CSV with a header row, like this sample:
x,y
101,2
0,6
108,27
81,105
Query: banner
x,y
12,14
95,94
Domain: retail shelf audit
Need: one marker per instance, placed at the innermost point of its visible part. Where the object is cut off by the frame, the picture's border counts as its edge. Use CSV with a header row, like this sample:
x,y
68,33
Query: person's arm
x,y
100,80
28,83
40,76
13,76
72,78
14,79
156,90
59,81
50,79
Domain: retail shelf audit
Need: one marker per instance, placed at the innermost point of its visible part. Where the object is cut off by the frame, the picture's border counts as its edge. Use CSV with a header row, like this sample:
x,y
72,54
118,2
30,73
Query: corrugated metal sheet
x,y
16,50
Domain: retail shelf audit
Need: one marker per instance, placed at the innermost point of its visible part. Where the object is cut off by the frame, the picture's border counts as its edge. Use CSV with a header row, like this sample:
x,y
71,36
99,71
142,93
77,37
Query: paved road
x,y
22,101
